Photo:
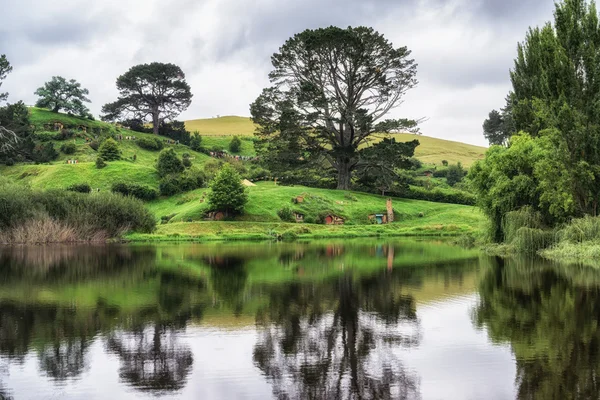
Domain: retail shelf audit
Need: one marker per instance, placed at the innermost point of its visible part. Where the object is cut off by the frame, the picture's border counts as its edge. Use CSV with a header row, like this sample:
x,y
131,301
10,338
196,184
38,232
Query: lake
x,y
354,319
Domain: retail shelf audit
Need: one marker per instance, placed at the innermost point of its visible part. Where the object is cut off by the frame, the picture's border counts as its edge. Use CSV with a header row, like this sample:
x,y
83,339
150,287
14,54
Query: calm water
x,y
334,320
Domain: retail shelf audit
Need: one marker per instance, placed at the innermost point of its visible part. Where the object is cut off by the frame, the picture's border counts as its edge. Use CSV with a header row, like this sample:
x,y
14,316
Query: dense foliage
x,y
61,94
227,192
5,69
555,165
98,212
152,144
156,91
235,145
16,134
168,163
331,89
109,150
141,192
80,188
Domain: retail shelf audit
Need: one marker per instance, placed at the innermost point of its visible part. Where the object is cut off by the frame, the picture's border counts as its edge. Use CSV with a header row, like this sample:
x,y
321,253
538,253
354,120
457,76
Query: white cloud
x,y
464,49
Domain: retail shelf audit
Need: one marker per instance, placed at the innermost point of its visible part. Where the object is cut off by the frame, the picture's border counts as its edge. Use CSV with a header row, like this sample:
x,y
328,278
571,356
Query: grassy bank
x,y
577,242
39,217
216,231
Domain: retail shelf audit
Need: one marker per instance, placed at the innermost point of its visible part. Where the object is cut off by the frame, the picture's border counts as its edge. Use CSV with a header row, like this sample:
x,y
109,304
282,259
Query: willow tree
x,y
331,90
156,92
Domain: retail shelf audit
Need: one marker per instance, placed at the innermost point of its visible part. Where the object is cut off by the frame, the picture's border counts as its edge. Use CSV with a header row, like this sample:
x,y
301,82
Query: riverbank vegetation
x,y
36,216
539,186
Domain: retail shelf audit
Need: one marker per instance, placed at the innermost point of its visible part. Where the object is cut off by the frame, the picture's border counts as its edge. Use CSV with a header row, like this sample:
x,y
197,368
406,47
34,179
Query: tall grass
x,y
32,216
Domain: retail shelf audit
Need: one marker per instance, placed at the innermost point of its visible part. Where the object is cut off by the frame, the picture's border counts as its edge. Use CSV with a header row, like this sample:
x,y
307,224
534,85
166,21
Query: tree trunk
x,y
56,109
155,122
344,173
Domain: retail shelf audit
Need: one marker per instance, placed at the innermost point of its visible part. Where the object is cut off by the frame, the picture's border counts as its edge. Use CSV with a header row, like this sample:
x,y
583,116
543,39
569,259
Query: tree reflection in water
x,y
152,359
308,352
551,317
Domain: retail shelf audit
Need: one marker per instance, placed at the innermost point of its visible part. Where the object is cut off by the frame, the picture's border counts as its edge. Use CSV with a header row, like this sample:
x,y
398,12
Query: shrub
x,y
196,142
187,163
141,192
94,145
445,163
80,187
438,196
289,236
235,145
100,162
169,185
87,214
9,162
197,176
44,153
175,130
456,173
68,148
440,173
169,163
152,144
109,150
227,192
65,134
286,214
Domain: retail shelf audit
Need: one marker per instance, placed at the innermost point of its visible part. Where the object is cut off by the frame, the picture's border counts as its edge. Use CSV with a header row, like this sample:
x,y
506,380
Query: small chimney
x,y
390,211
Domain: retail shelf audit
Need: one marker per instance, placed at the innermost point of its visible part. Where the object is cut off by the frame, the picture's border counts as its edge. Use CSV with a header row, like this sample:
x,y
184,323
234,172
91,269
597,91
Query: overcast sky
x,y
464,48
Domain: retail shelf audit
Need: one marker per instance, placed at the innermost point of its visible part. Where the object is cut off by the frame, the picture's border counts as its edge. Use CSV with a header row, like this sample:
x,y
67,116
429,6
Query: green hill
x,y
60,174
413,216
431,150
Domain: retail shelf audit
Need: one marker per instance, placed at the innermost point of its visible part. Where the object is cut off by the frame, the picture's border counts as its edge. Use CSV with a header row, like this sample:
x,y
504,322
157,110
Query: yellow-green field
x,y
431,150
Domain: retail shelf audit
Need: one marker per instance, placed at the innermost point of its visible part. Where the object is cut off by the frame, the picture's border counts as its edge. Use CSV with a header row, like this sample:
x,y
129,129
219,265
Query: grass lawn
x,y
412,217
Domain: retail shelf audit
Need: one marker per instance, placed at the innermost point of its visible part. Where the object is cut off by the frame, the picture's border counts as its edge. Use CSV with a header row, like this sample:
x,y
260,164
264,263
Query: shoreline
x,y
266,231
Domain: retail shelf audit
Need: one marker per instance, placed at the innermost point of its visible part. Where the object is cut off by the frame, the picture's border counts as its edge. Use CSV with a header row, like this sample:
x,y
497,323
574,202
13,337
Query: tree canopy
x,y
5,69
227,192
555,90
61,94
156,92
331,89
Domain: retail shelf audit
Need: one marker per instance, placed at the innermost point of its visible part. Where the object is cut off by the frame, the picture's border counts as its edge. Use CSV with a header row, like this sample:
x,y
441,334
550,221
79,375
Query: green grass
x,y
431,150
260,220
59,174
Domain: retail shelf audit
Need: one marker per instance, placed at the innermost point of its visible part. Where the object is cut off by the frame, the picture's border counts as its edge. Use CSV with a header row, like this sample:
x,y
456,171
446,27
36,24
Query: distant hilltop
x,y
431,150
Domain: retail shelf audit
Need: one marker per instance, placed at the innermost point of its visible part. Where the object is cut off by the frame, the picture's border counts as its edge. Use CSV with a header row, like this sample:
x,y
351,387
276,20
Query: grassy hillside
x,y
413,217
59,174
222,126
431,150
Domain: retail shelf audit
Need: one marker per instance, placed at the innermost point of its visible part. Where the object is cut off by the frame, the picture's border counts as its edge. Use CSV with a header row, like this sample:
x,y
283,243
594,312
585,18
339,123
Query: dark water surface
x,y
329,320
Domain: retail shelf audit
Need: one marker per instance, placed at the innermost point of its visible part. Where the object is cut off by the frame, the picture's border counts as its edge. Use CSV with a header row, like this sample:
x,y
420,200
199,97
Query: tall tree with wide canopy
x,y
331,90
156,92
61,94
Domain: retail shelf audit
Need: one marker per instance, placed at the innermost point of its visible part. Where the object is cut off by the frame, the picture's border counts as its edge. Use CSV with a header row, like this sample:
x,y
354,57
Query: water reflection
x,y
152,359
551,317
342,319
335,340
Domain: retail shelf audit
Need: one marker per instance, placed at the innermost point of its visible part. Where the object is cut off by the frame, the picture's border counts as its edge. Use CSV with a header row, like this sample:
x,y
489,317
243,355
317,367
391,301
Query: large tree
x,y
16,134
5,69
554,99
331,90
61,94
156,92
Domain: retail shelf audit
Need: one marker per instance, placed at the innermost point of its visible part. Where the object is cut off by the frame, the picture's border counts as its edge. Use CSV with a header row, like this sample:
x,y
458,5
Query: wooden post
x,y
390,211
